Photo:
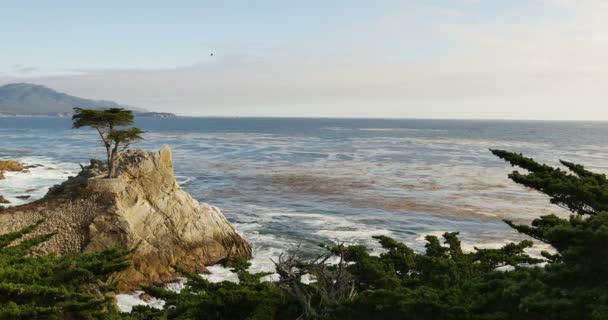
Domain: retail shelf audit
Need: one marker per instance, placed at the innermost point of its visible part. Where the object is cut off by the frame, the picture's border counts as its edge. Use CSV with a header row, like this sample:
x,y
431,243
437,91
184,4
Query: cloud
x,y
23,70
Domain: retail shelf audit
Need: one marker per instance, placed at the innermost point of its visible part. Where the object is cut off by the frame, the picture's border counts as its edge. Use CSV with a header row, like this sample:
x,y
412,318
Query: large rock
x,y
10,165
142,208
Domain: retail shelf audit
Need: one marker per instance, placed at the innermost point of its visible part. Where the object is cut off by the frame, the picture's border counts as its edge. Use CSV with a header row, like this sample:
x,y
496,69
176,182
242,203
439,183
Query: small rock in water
x,y
30,190
3,200
30,166
23,197
10,165
145,297
2,175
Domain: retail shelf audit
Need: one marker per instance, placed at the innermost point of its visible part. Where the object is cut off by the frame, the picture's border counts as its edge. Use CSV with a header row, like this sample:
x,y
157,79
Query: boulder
x,y
10,165
3,200
142,208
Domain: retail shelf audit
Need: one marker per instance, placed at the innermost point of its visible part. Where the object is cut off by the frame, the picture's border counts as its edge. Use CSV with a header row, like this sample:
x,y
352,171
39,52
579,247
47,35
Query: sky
x,y
481,59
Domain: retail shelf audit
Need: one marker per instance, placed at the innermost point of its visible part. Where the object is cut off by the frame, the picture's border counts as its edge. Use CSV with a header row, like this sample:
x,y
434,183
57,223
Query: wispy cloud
x,y
22,70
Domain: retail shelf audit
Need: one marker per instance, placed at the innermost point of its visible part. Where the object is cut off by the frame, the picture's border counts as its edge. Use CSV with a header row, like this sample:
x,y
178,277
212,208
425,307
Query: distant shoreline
x,y
167,115
387,119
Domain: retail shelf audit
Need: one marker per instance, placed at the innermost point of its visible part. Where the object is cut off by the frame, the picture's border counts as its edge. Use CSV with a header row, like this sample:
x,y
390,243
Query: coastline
x,y
269,176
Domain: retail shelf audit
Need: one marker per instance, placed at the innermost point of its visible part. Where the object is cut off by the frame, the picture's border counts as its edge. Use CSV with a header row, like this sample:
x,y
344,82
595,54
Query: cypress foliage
x,y
55,287
444,282
584,192
574,283
201,299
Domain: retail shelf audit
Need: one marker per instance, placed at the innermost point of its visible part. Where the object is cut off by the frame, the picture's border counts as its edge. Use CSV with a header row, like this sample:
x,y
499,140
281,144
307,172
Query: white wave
x,y
176,286
336,228
218,273
308,279
337,129
445,141
266,247
126,302
469,244
354,236
182,180
402,130
34,182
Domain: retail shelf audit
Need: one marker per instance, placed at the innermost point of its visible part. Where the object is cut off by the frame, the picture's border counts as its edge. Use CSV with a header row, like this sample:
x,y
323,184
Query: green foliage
x,y
113,117
201,299
55,287
574,284
111,124
443,282
125,136
583,192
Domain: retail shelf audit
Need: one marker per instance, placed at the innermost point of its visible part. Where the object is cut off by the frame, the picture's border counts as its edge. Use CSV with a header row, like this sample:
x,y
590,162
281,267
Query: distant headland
x,y
26,99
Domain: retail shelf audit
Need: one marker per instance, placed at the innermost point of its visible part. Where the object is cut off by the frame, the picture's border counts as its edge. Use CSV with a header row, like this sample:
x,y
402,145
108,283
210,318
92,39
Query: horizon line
x,y
331,117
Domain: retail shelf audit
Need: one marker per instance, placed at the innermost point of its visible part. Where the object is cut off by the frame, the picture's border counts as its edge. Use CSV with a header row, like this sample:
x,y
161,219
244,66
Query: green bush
x,y
55,287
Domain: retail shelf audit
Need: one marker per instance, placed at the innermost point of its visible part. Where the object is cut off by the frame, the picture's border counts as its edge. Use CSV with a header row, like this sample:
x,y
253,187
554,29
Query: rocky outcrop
x,y
142,208
10,165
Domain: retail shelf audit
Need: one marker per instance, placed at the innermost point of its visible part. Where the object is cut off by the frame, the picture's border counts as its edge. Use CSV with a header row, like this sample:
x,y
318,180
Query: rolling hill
x,y
26,99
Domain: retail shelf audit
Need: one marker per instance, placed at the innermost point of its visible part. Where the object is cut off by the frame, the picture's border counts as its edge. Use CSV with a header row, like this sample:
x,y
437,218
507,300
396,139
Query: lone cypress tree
x,y
111,124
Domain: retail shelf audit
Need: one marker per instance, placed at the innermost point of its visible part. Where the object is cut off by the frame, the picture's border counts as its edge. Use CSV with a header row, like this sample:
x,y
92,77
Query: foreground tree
x,y
112,126
444,282
574,283
55,287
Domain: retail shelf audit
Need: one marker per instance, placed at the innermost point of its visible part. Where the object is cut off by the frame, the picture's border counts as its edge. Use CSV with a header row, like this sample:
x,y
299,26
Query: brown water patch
x,y
421,185
317,184
360,192
224,193
476,185
416,205
393,204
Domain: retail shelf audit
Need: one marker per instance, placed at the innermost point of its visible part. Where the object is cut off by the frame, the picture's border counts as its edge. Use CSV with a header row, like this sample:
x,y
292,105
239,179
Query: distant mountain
x,y
35,100
156,114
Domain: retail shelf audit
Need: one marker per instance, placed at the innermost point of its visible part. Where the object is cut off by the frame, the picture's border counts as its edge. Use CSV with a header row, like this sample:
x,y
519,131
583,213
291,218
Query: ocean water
x,y
290,182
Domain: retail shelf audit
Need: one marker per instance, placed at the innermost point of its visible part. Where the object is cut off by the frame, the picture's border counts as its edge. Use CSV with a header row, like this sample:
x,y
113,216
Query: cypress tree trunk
x,y
110,162
111,167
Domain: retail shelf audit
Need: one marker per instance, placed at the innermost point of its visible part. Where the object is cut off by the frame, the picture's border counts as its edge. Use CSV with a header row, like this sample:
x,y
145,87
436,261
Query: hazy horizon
x,y
463,59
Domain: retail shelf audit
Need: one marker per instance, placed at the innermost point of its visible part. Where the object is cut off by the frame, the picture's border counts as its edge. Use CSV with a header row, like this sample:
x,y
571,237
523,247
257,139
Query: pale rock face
x,y
142,208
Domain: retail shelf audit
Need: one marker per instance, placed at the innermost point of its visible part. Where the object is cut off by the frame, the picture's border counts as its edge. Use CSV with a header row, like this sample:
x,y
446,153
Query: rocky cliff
x,y
142,208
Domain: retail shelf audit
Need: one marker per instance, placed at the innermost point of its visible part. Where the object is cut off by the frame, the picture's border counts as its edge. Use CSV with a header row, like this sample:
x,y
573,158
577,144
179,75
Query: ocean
x,y
285,182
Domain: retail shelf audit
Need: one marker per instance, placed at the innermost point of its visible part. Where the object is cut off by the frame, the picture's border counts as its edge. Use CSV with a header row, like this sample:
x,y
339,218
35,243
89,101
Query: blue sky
x,y
58,35
448,59
159,34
